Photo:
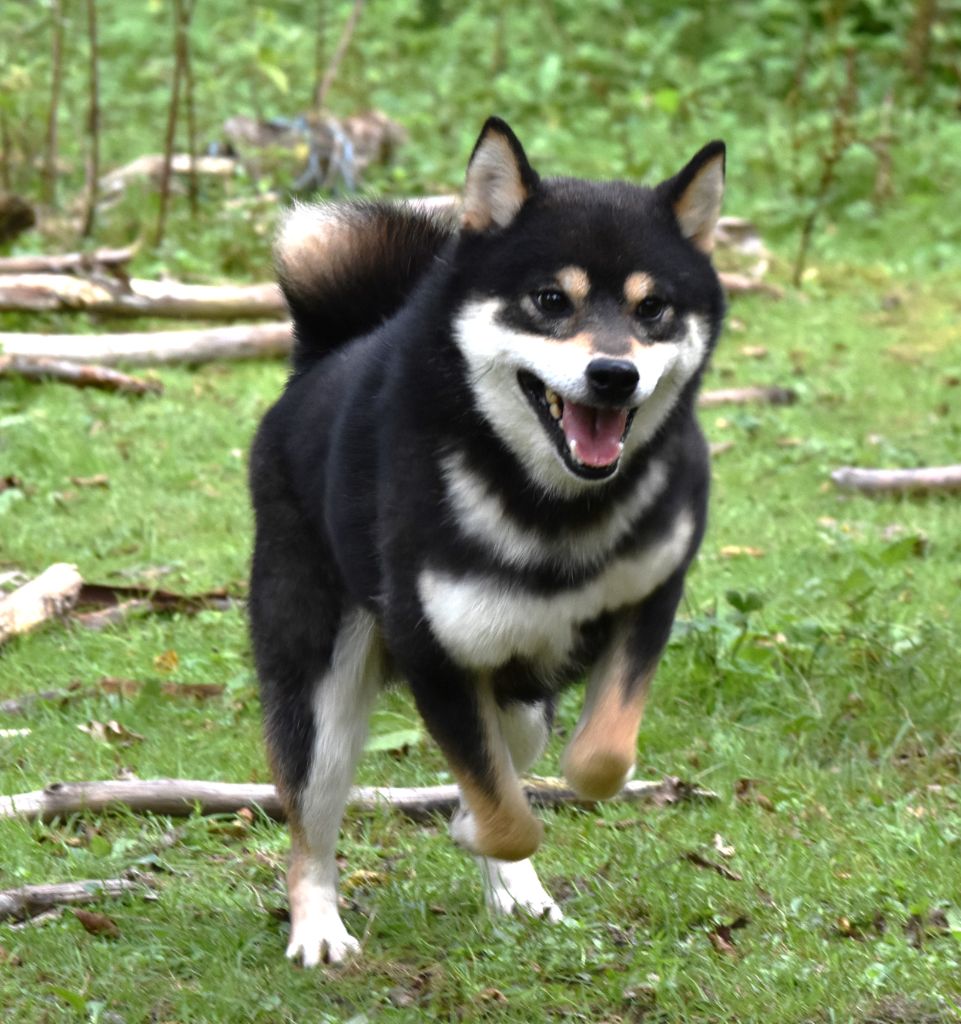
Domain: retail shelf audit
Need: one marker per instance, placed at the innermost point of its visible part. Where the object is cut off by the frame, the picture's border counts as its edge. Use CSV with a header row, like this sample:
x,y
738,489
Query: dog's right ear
x,y
499,179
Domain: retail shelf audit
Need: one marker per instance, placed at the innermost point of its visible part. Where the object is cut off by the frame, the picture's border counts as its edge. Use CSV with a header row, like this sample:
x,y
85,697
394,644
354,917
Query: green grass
x,y
816,652
822,665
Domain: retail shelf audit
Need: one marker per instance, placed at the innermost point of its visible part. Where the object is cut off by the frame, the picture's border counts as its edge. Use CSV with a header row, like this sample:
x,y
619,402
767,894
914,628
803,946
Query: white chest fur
x,y
483,621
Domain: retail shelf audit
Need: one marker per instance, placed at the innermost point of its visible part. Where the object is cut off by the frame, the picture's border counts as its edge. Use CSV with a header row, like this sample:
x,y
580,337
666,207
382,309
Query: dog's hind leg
x,y
511,886
316,711
341,706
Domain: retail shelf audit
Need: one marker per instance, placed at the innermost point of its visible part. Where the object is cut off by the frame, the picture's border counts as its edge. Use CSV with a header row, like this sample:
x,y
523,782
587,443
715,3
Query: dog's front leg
x,y
513,886
600,758
462,715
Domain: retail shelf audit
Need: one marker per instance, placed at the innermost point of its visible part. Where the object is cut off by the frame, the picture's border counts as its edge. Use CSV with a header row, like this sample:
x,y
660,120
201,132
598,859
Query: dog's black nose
x,y
612,380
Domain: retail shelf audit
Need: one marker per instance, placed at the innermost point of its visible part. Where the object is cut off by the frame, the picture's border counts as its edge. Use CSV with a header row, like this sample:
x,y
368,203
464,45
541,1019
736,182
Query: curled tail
x,y
346,268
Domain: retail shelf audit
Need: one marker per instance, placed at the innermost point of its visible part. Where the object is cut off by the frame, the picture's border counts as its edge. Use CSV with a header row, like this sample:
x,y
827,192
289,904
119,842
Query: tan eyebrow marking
x,y
637,286
575,282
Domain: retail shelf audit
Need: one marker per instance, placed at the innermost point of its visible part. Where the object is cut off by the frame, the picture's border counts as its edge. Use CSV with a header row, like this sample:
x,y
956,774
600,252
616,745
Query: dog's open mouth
x,y
589,439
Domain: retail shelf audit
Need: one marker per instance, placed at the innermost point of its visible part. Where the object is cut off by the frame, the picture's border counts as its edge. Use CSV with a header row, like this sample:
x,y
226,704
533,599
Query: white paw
x,y
323,941
512,887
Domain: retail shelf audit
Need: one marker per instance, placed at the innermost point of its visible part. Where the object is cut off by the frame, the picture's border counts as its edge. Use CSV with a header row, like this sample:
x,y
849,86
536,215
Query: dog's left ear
x,y
695,195
499,179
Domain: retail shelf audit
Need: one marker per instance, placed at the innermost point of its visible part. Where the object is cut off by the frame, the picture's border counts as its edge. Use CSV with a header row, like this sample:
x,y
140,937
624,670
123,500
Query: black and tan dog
x,y
484,477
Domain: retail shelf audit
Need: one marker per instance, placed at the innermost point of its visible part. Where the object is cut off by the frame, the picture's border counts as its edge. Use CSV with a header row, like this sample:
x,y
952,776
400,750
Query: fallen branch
x,y
31,900
181,797
108,604
52,593
125,687
151,165
68,262
927,479
81,375
38,293
744,396
151,348
745,284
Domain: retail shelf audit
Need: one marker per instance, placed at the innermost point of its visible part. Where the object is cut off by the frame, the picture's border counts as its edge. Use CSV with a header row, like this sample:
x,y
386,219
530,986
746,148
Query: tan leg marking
x,y
601,755
502,824
637,286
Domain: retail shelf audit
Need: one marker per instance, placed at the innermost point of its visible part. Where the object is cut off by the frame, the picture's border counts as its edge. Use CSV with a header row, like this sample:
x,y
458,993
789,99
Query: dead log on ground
x,y
180,797
744,396
81,375
52,593
745,284
32,900
151,165
105,687
152,348
67,262
928,479
39,293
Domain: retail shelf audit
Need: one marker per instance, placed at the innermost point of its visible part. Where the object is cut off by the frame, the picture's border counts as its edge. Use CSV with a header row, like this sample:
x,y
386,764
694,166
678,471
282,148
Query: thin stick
x,y
172,112
842,136
125,687
891,481
183,44
31,900
181,797
56,60
93,125
81,375
344,42
746,396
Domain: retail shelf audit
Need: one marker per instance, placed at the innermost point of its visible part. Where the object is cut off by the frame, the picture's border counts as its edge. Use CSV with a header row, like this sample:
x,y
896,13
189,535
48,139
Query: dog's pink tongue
x,y
594,435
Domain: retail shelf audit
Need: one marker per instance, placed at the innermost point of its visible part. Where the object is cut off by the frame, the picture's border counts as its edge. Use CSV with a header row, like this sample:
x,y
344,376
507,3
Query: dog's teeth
x,y
551,395
620,448
555,410
572,445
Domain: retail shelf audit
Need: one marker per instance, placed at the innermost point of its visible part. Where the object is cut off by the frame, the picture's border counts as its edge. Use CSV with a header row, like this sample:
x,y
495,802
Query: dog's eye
x,y
552,302
651,308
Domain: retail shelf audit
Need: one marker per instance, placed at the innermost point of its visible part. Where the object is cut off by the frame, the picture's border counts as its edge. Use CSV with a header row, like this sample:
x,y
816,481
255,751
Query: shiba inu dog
x,y
484,477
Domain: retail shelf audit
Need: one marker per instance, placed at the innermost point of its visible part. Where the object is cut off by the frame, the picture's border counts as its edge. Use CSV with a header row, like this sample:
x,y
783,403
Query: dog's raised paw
x,y
322,942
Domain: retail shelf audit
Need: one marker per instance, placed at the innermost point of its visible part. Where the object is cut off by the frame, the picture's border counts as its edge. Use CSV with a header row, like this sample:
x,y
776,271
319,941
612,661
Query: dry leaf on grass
x,y
97,924
167,661
722,847
746,791
740,551
111,732
721,937
362,879
693,857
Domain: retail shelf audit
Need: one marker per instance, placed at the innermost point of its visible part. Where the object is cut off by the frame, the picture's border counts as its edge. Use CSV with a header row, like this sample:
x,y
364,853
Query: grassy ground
x,y
812,678
816,656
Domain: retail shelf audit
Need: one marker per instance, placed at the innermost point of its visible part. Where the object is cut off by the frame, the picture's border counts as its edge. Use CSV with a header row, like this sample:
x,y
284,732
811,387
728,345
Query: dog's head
x,y
588,308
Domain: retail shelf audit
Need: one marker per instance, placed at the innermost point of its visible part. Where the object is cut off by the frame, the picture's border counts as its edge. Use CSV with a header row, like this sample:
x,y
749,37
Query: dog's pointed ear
x,y
695,195
499,179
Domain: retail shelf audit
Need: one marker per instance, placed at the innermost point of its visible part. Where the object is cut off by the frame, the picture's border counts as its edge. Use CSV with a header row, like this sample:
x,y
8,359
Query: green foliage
x,y
644,84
